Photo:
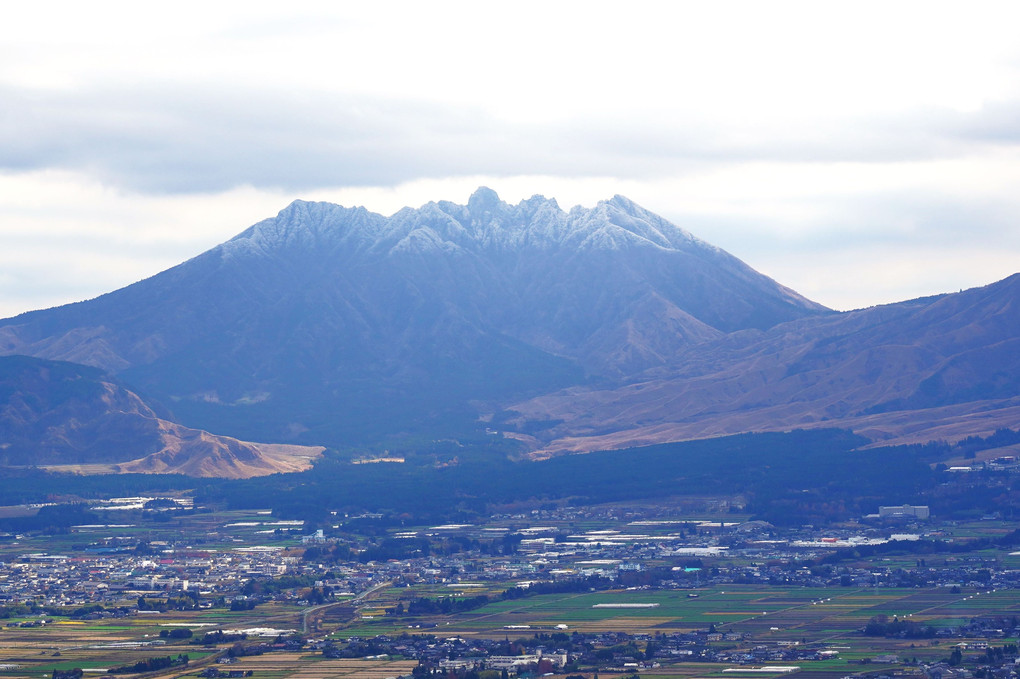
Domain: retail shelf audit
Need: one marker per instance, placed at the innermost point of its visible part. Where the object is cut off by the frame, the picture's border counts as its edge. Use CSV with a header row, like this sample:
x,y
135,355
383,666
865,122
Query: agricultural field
x,y
314,666
813,614
115,528
828,618
260,559
98,645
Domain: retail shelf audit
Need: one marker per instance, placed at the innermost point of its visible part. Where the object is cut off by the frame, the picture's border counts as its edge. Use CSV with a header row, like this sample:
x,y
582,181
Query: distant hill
x,y
936,368
334,326
78,418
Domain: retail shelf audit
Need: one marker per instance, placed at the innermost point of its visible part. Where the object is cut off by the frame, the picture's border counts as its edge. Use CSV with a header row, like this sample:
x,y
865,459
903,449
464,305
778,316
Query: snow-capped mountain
x,y
332,325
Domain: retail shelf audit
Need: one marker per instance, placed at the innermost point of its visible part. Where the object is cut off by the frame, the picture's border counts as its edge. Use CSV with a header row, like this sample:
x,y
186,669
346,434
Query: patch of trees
x,y
647,577
51,520
975,444
161,503
970,496
926,546
328,554
627,650
239,650
176,633
151,665
882,626
23,486
15,610
90,609
997,654
396,548
448,605
585,584
219,637
75,673
445,605
185,602
86,610
354,649
21,610
269,586
968,447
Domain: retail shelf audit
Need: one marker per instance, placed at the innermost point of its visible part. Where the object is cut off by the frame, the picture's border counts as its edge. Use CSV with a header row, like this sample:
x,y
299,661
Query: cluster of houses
x,y
109,572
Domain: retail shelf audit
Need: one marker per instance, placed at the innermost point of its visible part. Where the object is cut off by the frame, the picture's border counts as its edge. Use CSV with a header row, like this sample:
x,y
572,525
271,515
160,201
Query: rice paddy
x,y
809,613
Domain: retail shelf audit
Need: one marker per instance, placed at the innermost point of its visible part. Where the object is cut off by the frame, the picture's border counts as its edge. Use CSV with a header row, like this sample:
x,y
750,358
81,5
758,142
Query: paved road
x,y
309,612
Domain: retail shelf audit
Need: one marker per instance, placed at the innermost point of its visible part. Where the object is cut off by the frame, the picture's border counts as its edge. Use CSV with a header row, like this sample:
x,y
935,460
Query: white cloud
x,y
67,237
837,148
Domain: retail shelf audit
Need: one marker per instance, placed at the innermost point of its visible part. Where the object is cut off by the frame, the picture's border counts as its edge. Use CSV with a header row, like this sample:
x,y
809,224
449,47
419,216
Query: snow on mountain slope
x,y
326,324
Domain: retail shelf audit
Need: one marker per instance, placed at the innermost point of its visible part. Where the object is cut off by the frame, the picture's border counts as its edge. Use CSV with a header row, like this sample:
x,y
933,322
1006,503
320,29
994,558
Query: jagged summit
x,y
486,222
307,224
483,202
327,324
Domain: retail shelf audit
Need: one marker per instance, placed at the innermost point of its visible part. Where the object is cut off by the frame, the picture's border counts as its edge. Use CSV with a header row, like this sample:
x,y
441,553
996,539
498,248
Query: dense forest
x,y
793,477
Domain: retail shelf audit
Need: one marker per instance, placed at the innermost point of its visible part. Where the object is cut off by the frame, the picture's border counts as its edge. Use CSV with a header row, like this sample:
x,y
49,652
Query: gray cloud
x,y
181,139
888,221
162,140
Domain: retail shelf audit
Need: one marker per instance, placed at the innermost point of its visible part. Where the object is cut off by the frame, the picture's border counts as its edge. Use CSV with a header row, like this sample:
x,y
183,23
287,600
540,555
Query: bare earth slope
x,y
72,417
943,367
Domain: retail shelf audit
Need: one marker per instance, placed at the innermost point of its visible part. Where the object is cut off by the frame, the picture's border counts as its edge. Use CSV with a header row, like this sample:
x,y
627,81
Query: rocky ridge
x,y
332,325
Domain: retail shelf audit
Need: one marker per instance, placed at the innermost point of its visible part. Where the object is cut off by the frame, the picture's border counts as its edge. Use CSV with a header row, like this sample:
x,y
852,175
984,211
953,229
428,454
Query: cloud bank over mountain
x,y
841,152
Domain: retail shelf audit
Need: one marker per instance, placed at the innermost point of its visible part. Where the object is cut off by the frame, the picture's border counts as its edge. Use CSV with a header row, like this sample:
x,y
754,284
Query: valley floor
x,y
684,588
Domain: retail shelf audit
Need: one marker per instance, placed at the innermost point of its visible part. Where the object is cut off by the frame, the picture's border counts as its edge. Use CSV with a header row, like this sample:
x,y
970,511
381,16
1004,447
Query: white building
x,y
915,511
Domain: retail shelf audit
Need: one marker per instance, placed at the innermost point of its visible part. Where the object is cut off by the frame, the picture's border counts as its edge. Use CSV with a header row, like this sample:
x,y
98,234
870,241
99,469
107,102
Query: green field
x,y
813,614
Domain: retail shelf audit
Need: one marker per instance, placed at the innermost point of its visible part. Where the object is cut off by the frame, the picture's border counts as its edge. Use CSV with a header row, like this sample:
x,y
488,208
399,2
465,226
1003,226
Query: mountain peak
x,y
624,203
483,200
312,324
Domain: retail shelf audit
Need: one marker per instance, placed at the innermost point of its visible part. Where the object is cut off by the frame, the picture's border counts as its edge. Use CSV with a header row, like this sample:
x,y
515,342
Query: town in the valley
x,y
678,588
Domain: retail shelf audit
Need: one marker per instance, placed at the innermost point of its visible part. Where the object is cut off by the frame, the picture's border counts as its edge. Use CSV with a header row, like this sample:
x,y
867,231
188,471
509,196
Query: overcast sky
x,y
860,153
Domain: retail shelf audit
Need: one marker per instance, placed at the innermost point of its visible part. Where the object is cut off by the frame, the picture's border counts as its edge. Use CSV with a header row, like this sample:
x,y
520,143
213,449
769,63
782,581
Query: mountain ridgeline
x,y
509,328
939,368
337,326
